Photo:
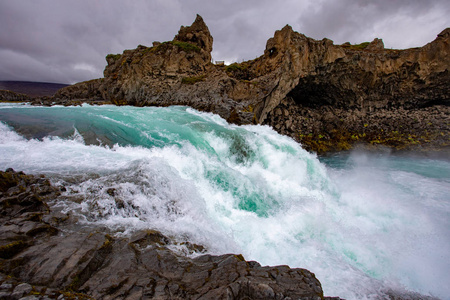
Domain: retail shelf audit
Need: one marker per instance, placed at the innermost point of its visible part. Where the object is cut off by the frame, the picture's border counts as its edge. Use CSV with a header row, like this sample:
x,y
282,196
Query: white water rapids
x,y
363,223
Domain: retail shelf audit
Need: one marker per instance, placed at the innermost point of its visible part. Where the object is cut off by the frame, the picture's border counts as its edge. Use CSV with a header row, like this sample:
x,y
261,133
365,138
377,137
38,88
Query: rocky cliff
x,y
326,96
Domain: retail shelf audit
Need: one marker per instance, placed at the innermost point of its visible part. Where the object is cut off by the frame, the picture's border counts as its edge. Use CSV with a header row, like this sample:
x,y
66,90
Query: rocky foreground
x,y
45,254
326,96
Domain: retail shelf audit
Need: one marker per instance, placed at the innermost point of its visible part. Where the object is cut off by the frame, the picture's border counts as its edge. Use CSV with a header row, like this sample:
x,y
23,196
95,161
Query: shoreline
x,y
46,253
108,188
342,130
104,264
327,97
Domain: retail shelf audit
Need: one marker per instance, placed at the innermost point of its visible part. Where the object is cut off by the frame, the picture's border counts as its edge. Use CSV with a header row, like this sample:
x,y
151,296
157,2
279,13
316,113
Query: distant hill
x,y
33,89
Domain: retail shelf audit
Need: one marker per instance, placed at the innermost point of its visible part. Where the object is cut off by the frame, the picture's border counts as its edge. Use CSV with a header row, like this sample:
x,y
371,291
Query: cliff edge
x,y
326,96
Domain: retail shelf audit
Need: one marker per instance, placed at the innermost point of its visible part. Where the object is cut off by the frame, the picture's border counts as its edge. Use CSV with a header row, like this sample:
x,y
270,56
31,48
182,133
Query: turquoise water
x,y
363,223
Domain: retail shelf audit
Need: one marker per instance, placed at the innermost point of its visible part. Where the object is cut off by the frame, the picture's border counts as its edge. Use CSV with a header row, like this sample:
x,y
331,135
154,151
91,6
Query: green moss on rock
x,y
187,47
113,56
239,71
361,46
182,46
10,250
341,140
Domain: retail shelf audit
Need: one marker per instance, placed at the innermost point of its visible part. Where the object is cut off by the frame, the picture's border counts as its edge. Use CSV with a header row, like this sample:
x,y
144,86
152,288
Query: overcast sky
x,y
66,41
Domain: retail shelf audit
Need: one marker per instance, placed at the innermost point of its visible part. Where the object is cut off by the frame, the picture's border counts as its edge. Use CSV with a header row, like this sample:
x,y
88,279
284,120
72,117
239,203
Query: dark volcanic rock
x,y
310,75
46,254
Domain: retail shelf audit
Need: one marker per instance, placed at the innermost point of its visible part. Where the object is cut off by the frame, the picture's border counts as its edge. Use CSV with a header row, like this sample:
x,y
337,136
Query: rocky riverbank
x,y
46,254
328,129
328,97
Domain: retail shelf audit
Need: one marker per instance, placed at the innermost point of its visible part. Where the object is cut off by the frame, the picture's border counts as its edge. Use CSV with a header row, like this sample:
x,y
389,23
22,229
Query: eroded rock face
x,y
397,98
307,73
6,95
48,254
197,34
178,72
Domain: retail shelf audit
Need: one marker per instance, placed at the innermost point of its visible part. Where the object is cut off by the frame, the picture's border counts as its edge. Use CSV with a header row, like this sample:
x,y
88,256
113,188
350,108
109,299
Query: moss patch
x,y
361,46
249,108
240,257
70,295
322,143
113,56
187,47
341,140
182,46
235,67
240,71
119,102
9,250
193,79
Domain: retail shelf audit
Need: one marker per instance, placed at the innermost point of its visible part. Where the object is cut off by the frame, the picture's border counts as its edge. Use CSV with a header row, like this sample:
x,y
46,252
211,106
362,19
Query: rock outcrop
x,y
345,82
6,95
46,254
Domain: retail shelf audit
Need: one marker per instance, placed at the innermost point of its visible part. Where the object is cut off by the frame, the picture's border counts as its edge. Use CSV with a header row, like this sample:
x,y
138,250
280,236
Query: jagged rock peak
x,y
282,40
376,44
198,34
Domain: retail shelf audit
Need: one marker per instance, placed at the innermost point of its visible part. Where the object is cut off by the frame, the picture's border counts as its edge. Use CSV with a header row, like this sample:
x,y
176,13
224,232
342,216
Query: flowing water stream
x,y
363,223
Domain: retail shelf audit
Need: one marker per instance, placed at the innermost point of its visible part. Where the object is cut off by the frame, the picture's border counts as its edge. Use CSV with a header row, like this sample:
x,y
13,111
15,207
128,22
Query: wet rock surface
x,y
45,254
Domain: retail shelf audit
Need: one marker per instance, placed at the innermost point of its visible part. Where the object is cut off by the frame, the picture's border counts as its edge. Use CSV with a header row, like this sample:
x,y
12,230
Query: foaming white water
x,y
395,221
145,191
363,228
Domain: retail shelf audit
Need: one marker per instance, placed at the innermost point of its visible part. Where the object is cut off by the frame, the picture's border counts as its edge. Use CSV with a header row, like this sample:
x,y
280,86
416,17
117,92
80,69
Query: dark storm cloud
x,y
66,41
400,23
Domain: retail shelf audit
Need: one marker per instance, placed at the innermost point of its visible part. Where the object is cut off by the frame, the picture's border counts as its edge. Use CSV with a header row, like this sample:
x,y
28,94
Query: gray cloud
x,y
400,23
66,41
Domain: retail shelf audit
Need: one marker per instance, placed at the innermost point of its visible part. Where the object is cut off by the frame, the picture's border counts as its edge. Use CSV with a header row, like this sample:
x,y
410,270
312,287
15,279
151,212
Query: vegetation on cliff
x,y
361,46
193,79
312,75
113,56
182,46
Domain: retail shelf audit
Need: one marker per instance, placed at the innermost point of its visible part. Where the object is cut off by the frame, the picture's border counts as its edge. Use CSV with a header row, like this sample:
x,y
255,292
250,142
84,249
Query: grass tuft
x,y
361,46
113,56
